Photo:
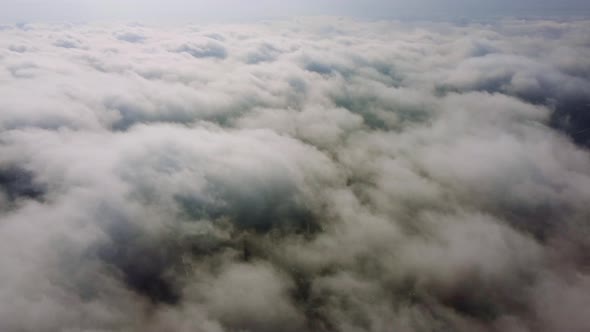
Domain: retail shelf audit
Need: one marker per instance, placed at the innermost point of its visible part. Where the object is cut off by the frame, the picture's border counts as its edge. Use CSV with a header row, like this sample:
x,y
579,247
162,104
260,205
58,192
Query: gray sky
x,y
195,10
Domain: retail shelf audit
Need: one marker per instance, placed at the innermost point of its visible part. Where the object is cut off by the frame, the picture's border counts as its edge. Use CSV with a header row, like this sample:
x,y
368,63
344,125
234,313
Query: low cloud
x,y
132,37
306,175
204,49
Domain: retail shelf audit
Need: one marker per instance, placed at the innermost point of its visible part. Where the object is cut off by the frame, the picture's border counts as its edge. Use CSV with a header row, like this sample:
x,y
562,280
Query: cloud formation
x,y
305,175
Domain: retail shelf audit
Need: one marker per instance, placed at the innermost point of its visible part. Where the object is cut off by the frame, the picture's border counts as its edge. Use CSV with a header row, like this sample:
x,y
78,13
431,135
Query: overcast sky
x,y
195,10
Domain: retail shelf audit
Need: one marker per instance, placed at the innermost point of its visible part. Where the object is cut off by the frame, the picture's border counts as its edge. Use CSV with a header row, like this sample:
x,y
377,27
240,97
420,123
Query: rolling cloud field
x,y
306,174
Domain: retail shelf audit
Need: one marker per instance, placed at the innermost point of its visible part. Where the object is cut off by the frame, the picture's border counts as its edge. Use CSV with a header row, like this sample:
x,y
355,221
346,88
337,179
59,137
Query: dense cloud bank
x,y
306,175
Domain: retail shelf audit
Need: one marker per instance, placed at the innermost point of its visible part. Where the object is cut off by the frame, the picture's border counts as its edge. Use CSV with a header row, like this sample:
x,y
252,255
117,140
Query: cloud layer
x,y
304,175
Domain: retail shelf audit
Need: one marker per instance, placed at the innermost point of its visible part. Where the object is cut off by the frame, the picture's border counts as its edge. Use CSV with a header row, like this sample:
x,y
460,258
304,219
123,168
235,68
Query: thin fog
x,y
314,174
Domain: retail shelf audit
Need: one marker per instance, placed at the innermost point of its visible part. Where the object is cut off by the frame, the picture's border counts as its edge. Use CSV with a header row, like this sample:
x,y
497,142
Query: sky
x,y
221,10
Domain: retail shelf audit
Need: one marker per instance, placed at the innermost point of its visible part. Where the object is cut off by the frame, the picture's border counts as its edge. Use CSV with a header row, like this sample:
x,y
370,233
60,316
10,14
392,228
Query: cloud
x,y
68,42
206,49
131,37
315,174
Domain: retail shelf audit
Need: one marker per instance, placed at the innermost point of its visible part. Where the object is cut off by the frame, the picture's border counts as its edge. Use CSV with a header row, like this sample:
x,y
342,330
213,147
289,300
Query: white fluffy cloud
x,y
313,174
